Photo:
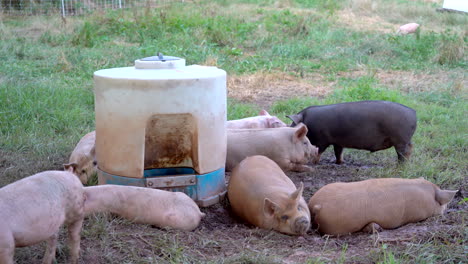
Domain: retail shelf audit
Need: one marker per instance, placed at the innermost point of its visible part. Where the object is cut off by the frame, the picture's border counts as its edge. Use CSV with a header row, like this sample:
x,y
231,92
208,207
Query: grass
x,y
47,104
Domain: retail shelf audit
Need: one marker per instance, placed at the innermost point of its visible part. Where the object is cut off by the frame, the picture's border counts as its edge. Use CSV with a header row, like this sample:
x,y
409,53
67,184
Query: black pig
x,y
369,125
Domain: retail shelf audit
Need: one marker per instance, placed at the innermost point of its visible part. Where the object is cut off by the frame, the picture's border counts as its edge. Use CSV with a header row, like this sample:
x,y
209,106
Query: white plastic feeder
x,y
162,124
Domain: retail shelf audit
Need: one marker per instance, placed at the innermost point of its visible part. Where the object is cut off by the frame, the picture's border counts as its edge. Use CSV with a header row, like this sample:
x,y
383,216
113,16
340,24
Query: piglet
x,y
261,194
408,28
263,120
144,205
289,147
33,209
342,208
83,157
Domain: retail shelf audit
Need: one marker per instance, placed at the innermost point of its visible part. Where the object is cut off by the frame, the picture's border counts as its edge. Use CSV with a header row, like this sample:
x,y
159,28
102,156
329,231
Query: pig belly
x,y
37,230
372,145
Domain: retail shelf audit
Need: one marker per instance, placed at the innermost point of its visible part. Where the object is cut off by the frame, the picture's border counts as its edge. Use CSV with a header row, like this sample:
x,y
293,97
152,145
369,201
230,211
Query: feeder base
x,y
205,189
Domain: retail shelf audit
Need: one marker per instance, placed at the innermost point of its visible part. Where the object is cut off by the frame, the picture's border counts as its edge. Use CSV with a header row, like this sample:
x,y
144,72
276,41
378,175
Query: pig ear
x,y
297,193
295,118
300,133
444,196
93,151
263,113
71,167
269,208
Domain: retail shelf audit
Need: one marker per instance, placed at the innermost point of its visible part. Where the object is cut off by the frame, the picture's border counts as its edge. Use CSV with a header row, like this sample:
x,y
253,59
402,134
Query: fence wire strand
x,y
71,7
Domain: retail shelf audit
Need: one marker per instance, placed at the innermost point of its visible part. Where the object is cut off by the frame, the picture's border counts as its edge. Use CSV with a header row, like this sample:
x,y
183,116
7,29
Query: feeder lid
x,y
159,62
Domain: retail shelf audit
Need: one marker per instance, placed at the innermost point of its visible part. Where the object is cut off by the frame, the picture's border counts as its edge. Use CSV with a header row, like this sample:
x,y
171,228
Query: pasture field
x,y
281,56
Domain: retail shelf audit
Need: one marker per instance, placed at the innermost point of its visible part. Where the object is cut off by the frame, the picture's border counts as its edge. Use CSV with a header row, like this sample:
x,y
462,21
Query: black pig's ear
x,y
295,118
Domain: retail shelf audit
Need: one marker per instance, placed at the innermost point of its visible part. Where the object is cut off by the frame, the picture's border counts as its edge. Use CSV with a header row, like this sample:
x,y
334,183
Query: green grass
x,y
47,103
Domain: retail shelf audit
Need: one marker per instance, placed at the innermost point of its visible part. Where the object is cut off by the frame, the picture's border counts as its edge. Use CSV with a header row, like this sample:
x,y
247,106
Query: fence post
x,y
63,8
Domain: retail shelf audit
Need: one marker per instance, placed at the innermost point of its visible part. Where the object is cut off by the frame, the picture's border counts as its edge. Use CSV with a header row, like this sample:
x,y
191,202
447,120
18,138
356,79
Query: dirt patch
x,y
347,18
265,88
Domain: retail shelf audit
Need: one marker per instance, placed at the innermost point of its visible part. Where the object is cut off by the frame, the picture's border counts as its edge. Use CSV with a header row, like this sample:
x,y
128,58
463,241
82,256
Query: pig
x,y
84,157
144,205
289,147
368,125
261,194
343,208
263,120
34,208
408,28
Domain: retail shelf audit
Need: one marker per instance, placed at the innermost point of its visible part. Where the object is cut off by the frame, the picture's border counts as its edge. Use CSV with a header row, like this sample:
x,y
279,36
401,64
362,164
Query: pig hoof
x,y
372,228
306,169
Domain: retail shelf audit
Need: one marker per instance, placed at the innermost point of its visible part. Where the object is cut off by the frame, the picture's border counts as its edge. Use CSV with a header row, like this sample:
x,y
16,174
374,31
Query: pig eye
x,y
83,171
299,208
284,217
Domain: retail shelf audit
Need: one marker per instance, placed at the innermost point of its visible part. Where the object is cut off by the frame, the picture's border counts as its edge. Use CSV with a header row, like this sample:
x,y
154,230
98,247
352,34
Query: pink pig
x,y
263,120
34,208
408,29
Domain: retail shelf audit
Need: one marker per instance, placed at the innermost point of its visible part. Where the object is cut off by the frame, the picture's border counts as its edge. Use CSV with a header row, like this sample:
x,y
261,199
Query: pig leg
x,y
404,151
338,153
7,248
372,228
300,167
49,255
321,149
288,165
74,230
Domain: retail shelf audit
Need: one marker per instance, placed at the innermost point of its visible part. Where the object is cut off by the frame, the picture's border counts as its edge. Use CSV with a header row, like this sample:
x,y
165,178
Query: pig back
x,y
274,143
144,205
254,179
370,125
341,208
85,147
42,203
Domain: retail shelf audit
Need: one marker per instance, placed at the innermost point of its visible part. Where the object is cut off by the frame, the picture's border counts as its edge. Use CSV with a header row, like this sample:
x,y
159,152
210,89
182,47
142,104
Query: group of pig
x,y
263,195
259,150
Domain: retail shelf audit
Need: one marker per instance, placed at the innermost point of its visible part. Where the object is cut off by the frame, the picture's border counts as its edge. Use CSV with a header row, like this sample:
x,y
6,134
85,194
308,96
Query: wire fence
x,y
71,7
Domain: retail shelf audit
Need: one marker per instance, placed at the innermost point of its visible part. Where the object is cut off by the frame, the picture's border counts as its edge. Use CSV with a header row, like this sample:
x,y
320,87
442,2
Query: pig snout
x,y
311,153
301,225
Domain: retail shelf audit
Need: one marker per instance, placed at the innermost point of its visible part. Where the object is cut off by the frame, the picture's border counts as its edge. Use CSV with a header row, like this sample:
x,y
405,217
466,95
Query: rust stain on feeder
x,y
170,141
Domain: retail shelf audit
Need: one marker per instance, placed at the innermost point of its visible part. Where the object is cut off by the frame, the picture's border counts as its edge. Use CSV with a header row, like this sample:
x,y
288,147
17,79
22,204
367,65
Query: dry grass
x,y
265,88
350,19
413,81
